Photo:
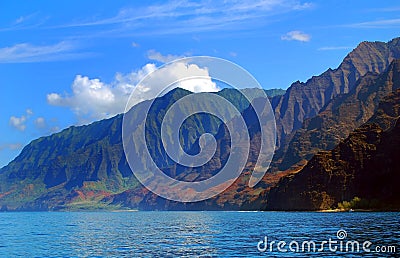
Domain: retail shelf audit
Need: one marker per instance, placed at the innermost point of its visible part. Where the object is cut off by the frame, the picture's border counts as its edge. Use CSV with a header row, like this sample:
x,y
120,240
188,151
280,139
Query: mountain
x,y
54,165
361,172
306,100
82,165
233,197
85,166
341,116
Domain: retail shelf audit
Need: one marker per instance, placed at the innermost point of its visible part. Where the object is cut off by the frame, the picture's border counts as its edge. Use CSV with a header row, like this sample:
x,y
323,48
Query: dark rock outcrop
x,y
364,165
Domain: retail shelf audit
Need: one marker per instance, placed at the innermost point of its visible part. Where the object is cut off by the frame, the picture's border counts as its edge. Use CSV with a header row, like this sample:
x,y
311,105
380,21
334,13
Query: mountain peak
x,y
177,91
306,100
395,41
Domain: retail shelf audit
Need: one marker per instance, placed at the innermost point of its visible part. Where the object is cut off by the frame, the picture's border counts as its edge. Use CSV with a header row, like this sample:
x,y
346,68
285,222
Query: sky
x,y
65,63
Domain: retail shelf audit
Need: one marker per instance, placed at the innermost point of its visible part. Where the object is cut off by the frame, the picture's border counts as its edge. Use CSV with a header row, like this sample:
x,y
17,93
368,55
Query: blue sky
x,y
68,63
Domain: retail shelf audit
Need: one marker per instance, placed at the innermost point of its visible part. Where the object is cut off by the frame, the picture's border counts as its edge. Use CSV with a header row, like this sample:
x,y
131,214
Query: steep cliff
x,y
364,165
341,115
306,100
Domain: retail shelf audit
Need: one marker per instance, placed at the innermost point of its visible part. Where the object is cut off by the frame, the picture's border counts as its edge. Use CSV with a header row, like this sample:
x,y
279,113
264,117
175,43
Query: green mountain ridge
x,y
87,163
85,167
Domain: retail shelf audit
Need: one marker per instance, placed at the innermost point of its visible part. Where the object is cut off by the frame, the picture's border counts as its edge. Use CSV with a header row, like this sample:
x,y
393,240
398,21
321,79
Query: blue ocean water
x,y
192,234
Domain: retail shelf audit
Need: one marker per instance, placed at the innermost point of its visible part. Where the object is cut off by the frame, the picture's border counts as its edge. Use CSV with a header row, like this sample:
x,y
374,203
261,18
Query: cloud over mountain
x,y
92,99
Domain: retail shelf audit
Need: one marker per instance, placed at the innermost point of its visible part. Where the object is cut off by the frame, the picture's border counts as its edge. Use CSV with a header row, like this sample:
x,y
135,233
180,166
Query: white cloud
x,y
20,20
157,56
135,44
195,79
53,98
302,6
46,127
27,53
296,35
19,122
11,146
385,9
54,129
29,112
92,99
185,16
334,48
42,126
89,97
26,19
40,123
382,24
29,21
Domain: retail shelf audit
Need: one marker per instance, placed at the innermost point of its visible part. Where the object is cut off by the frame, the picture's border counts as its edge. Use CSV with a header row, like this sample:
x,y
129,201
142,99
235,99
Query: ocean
x,y
199,234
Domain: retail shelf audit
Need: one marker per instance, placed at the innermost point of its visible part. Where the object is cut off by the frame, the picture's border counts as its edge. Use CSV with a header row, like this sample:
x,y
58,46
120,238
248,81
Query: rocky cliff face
x,y
341,115
233,197
364,165
305,100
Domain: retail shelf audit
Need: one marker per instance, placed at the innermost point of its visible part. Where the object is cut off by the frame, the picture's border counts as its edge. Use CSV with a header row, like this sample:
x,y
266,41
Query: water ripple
x,y
183,234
